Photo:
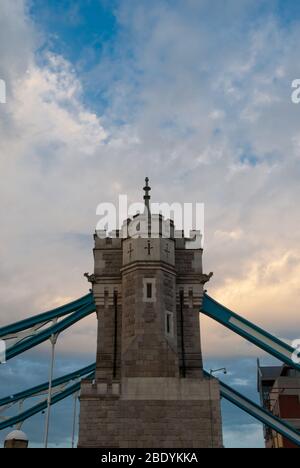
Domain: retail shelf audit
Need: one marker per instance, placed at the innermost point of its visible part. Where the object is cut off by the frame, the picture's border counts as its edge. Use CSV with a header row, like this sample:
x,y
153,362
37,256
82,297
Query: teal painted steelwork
x,y
213,309
42,336
227,392
41,406
43,387
249,331
259,413
46,316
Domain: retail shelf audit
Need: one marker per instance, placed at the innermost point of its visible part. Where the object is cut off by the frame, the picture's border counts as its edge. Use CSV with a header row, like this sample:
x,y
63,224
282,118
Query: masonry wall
x,y
152,413
146,351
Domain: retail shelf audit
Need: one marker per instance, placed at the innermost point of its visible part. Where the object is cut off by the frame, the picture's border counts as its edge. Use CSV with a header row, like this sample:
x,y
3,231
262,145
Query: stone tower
x,y
149,389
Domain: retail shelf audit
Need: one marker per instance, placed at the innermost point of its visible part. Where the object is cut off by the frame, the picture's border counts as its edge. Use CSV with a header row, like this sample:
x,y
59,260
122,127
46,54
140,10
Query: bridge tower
x,y
149,389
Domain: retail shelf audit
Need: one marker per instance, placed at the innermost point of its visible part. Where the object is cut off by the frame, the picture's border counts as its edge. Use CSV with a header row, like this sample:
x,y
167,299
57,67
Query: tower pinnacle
x,y
147,211
147,197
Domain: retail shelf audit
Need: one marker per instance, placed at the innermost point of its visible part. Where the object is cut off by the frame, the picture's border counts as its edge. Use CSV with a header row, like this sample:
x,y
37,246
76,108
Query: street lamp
x,y
214,371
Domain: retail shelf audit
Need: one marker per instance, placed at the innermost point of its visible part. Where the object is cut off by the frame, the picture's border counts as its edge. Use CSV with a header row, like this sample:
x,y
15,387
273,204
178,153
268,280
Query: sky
x,y
196,94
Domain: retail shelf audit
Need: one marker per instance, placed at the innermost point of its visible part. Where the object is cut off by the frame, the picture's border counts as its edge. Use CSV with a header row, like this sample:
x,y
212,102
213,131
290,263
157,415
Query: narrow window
x,y
169,324
149,290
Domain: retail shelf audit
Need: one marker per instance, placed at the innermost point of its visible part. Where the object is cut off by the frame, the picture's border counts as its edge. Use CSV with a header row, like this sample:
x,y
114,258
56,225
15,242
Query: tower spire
x,y
147,211
147,197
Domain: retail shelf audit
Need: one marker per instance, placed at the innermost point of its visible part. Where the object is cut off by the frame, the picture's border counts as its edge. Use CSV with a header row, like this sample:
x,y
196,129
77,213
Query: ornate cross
x,y
130,250
148,247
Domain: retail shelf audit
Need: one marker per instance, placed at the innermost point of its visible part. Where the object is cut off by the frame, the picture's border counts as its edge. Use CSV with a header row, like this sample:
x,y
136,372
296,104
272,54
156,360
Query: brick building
x,y
149,389
279,388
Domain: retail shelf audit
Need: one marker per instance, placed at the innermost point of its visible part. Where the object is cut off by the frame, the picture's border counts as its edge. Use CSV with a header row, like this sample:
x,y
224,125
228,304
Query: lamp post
x,y
76,396
53,341
212,372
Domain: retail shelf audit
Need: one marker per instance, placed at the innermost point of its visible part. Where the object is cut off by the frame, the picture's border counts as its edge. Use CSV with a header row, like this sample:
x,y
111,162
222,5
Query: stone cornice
x,y
149,265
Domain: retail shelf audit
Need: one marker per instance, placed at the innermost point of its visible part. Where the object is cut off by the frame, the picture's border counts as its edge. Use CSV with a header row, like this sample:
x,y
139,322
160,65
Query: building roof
x,y
17,435
267,374
270,372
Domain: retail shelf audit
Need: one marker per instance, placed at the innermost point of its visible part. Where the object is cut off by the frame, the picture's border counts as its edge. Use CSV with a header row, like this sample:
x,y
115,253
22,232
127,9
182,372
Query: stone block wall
x,y
152,413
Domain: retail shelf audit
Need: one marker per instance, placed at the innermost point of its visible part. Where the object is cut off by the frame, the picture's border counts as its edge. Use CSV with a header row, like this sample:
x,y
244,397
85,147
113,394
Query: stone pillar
x,y
108,294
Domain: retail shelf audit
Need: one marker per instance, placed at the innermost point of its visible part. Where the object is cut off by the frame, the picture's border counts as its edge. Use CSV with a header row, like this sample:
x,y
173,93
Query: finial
x,y
147,196
147,204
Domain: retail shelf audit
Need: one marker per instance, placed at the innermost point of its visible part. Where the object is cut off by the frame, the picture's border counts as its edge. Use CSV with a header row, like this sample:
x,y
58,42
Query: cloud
x,y
201,105
208,124
244,436
198,120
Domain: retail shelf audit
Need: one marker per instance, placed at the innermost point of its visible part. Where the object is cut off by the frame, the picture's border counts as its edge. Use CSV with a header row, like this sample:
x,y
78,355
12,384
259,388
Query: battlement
x,y
113,239
102,241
